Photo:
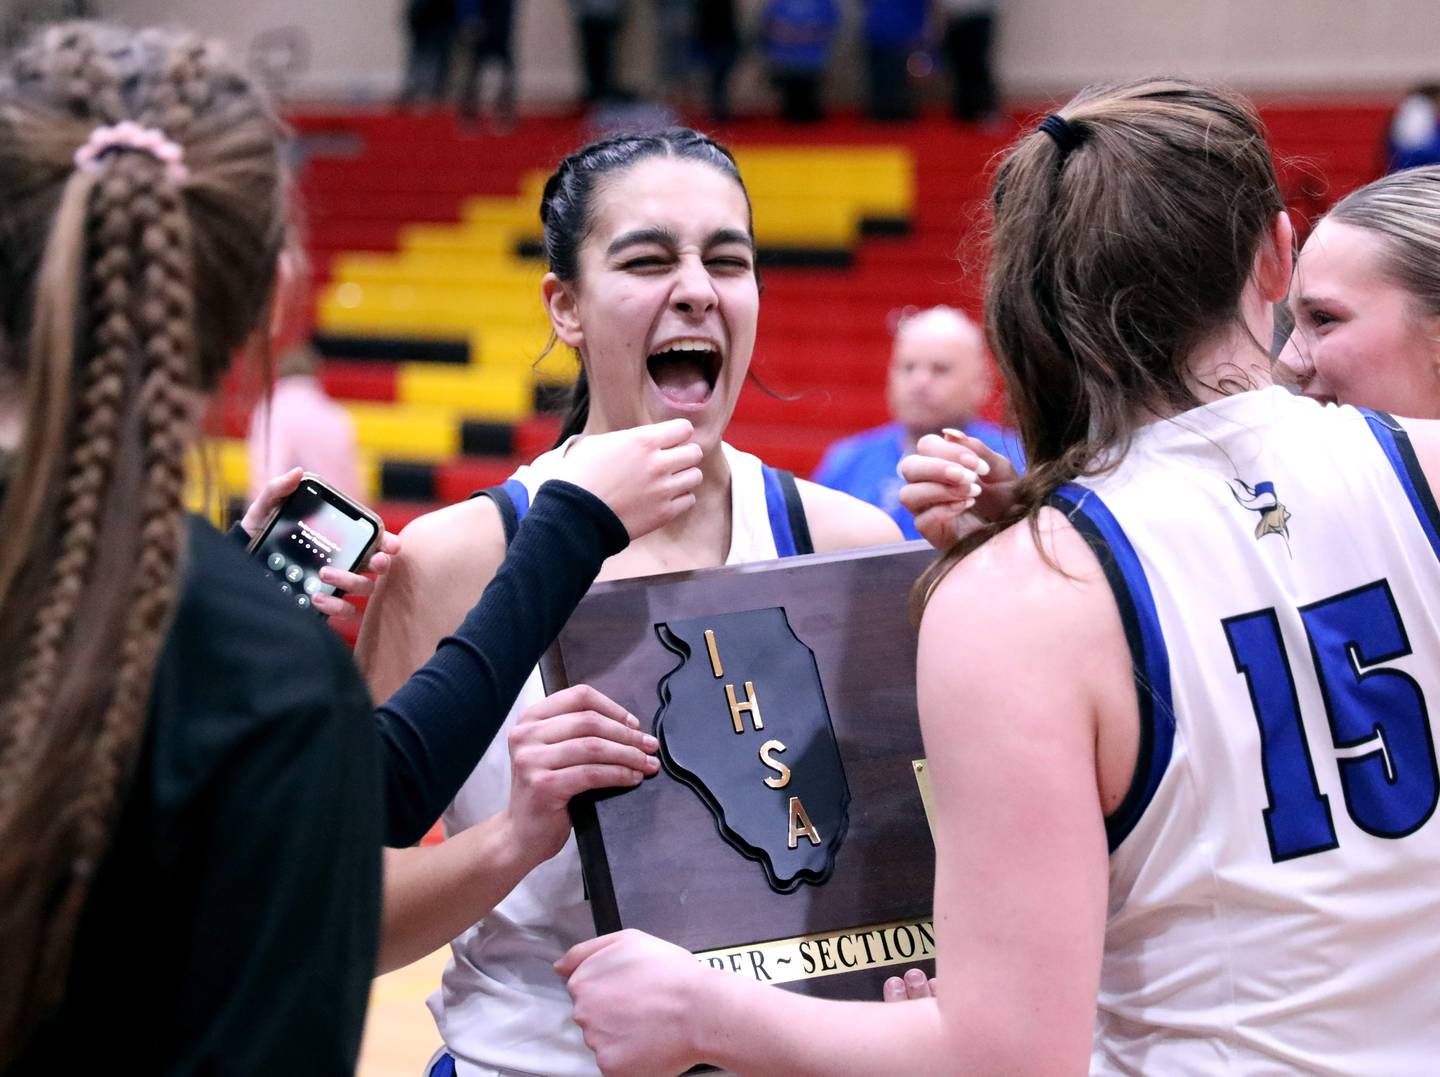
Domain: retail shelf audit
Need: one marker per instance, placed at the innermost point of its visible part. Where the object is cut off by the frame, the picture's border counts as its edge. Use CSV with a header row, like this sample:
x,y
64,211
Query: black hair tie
x,y
1065,136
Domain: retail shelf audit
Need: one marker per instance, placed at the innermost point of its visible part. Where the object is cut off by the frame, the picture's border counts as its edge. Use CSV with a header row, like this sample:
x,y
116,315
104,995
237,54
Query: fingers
x,y
582,725
275,491
337,609
913,985
941,448
683,456
579,952
579,697
351,583
379,561
917,984
934,503
672,432
916,468
282,486
920,496
576,750
995,464
684,482
941,518
541,782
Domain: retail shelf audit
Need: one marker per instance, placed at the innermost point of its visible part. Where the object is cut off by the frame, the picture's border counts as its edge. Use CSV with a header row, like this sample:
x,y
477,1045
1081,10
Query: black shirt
x,y
233,923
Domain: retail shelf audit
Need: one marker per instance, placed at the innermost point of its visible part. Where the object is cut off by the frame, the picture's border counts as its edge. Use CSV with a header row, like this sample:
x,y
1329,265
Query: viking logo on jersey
x,y
1261,498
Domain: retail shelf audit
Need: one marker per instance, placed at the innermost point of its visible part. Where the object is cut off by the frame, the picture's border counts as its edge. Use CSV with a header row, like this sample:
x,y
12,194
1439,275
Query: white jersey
x,y
501,1008
1275,870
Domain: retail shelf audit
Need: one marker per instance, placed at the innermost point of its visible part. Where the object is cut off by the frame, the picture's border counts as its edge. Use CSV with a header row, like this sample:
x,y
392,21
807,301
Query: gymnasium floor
x,y
400,1035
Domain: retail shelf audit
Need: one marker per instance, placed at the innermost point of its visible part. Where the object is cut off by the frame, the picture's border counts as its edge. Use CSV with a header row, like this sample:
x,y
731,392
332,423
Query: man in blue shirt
x,y
939,377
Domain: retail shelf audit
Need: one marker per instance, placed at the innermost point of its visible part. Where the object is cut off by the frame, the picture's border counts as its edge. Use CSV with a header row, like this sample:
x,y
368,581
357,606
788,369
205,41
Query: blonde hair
x,y
125,288
1403,209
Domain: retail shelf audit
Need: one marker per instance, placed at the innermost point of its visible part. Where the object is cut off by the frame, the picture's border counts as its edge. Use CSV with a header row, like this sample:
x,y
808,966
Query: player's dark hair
x,y
566,209
1118,248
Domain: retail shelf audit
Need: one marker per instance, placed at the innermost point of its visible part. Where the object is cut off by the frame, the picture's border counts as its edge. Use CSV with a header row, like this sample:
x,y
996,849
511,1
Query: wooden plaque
x,y
717,663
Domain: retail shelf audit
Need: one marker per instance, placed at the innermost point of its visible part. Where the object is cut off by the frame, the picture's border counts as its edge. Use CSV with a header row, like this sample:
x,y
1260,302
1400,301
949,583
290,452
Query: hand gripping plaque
x,y
743,721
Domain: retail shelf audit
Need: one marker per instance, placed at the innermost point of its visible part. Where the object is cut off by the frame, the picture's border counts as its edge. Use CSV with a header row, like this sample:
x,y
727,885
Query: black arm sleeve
x,y
437,725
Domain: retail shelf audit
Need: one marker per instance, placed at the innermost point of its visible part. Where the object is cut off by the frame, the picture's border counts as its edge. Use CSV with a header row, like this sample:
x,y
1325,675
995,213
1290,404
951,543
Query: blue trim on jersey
x,y
519,497
1148,653
778,512
444,1066
776,508
1396,444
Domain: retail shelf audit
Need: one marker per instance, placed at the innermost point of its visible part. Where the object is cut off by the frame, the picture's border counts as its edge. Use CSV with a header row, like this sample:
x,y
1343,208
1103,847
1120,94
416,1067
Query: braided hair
x,y
125,288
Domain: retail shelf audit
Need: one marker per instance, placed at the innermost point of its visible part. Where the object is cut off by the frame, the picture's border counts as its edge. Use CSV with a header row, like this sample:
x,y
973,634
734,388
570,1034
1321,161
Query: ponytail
x,y
106,340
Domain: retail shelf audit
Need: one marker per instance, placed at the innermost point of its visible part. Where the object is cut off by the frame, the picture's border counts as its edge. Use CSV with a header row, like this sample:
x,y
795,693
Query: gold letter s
x,y
778,767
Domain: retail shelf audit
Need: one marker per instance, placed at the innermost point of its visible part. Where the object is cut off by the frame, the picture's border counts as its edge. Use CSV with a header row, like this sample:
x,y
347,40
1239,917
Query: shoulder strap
x,y
1125,574
513,500
1395,443
786,512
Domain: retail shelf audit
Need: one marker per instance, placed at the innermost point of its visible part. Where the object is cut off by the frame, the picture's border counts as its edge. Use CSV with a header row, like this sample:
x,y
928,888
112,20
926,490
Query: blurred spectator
x,y
431,26
939,377
797,36
300,426
1414,136
19,17
675,47
486,30
598,23
969,33
717,42
893,30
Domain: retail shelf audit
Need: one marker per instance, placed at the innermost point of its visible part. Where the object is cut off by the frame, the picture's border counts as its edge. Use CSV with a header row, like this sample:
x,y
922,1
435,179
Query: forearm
x,y
435,728
762,1031
434,892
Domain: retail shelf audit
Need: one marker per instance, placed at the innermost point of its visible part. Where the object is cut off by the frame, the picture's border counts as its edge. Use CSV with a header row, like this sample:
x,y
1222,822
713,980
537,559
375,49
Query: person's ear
x,y
560,303
1275,260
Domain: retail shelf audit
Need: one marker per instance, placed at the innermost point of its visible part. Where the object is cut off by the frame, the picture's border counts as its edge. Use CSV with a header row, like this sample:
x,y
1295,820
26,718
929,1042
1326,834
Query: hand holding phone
x,y
310,530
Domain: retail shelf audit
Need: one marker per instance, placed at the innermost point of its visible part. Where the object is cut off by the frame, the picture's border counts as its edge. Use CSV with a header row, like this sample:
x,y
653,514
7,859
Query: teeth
x,y
688,346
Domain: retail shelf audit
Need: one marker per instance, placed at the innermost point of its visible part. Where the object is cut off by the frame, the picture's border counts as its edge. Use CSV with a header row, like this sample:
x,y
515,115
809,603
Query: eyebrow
x,y
664,237
1313,300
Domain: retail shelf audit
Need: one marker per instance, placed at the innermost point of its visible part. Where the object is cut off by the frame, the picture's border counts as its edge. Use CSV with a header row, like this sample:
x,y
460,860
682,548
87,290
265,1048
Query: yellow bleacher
x,y
217,475
465,281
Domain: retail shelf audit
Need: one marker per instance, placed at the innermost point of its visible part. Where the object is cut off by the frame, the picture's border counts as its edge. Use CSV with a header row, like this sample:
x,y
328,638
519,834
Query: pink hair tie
x,y
129,135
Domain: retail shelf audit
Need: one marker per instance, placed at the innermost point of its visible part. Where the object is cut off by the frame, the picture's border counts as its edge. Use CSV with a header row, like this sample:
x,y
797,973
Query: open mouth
x,y
685,371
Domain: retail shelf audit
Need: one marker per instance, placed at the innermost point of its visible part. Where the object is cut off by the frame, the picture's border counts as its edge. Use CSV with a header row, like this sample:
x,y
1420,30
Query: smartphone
x,y
315,526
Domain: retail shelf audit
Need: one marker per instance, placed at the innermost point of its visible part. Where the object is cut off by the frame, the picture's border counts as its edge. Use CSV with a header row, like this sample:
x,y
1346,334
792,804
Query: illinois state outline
x,y
700,746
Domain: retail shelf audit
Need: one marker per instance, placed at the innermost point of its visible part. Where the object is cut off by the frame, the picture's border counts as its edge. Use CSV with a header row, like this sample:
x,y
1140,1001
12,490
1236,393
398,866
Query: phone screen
x,y
310,532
